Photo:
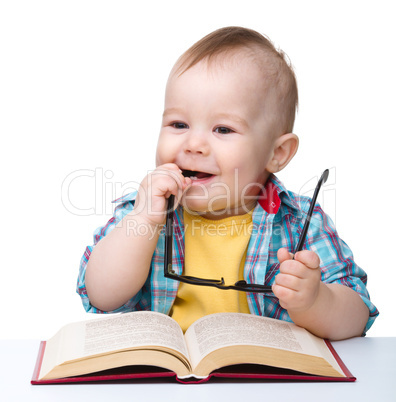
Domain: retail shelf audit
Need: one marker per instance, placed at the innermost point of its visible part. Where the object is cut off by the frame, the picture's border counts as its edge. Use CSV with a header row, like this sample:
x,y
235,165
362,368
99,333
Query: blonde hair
x,y
274,62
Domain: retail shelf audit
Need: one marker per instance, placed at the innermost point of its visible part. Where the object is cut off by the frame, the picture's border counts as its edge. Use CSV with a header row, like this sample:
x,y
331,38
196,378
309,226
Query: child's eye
x,y
223,130
178,125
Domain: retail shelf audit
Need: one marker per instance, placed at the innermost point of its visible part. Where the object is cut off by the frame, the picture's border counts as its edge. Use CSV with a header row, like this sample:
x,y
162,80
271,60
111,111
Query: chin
x,y
205,210
194,206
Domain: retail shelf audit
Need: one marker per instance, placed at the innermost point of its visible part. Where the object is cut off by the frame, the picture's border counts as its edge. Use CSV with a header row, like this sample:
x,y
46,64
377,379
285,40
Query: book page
x,y
133,329
111,333
225,329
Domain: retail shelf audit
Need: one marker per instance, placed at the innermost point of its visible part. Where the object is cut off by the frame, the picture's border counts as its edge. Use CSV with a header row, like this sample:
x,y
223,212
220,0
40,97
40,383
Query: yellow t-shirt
x,y
214,249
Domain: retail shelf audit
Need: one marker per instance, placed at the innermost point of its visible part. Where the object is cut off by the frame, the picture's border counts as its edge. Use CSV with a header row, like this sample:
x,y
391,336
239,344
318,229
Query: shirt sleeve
x,y
337,261
137,302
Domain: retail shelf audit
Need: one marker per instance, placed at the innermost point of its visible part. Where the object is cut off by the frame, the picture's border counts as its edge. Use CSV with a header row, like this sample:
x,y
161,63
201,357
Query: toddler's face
x,y
217,122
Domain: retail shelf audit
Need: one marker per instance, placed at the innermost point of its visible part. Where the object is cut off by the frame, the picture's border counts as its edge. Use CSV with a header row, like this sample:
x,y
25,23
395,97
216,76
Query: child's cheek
x,y
163,153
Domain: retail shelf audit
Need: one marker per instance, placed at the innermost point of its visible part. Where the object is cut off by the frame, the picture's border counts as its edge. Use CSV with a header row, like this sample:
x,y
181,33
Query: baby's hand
x,y
297,285
151,202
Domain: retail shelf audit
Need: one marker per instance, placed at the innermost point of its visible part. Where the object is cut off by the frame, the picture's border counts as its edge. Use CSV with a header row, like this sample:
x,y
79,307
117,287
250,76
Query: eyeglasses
x,y
240,285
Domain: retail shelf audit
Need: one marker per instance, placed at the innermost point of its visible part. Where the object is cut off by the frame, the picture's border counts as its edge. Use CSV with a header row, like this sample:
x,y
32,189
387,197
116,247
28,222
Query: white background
x,y
81,95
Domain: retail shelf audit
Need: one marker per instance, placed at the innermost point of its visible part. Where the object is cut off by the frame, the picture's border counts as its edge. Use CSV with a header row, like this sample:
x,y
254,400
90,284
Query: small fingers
x,y
287,297
297,283
294,268
166,180
283,255
172,171
288,281
308,258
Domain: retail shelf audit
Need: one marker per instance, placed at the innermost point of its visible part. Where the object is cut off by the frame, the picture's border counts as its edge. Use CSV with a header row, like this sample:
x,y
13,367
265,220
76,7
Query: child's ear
x,y
285,148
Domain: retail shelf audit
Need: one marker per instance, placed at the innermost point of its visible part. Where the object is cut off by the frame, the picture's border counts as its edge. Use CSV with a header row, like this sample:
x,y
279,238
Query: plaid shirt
x,y
278,219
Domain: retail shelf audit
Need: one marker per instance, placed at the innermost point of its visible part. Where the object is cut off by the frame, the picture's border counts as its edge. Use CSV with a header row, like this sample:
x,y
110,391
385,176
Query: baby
x,y
227,127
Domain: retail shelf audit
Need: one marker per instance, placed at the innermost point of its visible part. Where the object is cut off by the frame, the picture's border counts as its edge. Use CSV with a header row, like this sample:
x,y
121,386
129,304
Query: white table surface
x,y
371,360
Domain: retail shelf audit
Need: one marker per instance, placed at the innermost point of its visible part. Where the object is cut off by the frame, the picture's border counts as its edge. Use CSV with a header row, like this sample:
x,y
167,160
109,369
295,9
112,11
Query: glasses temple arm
x,y
169,234
304,232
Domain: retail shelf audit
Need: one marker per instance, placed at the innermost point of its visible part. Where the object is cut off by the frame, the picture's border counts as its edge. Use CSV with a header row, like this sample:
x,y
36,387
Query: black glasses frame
x,y
240,285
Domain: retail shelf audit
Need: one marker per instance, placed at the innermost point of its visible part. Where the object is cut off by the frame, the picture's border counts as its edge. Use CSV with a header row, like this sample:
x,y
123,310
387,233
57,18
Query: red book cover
x,y
242,372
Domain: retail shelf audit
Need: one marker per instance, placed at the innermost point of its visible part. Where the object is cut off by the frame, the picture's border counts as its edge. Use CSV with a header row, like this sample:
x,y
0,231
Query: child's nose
x,y
196,143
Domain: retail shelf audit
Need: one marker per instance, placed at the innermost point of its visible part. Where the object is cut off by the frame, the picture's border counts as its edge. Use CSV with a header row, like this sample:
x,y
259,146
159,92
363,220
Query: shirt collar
x,y
273,195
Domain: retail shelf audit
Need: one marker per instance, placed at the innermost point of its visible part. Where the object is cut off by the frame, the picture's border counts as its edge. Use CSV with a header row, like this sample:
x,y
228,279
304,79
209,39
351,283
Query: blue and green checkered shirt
x,y
278,219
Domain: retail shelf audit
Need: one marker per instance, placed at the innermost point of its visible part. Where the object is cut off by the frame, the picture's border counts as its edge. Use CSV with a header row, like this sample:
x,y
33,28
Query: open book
x,y
149,344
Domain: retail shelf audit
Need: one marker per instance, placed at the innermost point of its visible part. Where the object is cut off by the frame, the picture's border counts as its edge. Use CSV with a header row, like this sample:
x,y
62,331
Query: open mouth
x,y
196,175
